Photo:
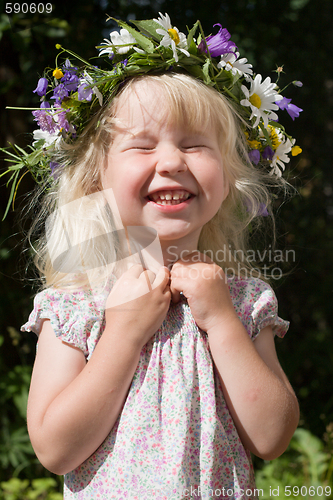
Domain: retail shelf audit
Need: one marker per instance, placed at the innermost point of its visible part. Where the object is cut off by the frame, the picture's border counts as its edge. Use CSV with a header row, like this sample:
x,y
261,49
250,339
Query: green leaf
x,y
142,40
205,70
264,131
192,48
11,194
196,71
148,27
191,34
22,151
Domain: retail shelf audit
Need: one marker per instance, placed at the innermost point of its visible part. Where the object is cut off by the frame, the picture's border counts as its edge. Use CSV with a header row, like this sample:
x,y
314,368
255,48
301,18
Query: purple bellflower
x,y
59,92
41,87
70,78
70,81
218,44
254,156
268,153
53,166
292,110
55,169
261,209
84,92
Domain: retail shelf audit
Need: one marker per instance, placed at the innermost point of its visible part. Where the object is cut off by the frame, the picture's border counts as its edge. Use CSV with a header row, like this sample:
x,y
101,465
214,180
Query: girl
x,y
157,381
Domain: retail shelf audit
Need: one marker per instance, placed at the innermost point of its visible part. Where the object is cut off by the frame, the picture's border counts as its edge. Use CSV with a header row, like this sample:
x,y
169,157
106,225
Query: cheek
x,y
126,191
116,177
216,185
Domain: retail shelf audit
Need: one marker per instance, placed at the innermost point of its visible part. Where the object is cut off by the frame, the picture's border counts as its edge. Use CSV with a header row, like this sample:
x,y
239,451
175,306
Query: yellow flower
x,y
174,35
296,150
274,137
57,73
254,144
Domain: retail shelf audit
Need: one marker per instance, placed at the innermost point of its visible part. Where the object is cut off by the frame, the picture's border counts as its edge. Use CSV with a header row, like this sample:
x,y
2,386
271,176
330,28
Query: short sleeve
x,y
77,318
256,305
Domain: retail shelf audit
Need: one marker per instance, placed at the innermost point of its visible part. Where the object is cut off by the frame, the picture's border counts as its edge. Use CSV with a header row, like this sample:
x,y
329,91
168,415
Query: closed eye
x,y
194,143
140,147
194,147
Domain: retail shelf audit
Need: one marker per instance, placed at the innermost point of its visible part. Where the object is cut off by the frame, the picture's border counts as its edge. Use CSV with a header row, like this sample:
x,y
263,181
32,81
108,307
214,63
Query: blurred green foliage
x,y
294,33
303,471
23,489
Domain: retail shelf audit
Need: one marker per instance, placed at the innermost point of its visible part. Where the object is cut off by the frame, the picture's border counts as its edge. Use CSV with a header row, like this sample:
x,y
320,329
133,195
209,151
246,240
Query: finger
x,y
162,278
178,269
135,271
147,274
175,290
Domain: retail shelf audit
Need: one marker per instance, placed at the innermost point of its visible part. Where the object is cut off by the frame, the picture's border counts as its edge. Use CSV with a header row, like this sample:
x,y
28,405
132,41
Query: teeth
x,y
170,197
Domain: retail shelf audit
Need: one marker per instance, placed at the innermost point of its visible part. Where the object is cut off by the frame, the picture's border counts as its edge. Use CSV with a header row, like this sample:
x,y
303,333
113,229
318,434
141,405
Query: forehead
x,y
138,107
149,103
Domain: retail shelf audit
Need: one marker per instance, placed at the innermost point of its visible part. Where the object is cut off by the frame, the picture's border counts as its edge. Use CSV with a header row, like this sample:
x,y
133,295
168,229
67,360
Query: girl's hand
x,y
204,285
138,303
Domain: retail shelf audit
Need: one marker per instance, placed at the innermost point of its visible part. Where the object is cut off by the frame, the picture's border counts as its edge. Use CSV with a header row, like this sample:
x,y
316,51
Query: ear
x,y
226,187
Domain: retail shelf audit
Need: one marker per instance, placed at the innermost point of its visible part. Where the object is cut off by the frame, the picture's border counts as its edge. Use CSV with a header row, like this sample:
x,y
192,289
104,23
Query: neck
x,y
178,249
151,257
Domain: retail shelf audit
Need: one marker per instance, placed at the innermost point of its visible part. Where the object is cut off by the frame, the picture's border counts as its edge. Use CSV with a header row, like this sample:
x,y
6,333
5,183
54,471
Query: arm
x,y
257,391
258,394
73,405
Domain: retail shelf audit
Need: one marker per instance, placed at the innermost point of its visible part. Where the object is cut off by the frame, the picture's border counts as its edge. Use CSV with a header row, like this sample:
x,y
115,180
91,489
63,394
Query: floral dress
x,y
175,438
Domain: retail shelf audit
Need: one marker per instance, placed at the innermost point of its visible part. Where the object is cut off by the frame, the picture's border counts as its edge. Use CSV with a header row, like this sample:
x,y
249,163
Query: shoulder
x,y
247,289
76,315
256,304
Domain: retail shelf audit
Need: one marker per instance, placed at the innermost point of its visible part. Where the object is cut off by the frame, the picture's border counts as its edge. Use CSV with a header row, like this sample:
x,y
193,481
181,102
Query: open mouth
x,y
170,197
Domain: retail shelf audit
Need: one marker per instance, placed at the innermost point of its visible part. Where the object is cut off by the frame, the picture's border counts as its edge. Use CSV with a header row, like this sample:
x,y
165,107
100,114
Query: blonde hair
x,y
73,210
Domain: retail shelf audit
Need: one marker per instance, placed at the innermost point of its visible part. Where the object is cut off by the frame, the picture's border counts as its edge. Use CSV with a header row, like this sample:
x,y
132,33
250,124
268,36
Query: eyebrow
x,y
140,135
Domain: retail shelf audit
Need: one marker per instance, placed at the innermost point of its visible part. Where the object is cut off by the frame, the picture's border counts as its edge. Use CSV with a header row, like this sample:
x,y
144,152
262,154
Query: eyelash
x,y
195,146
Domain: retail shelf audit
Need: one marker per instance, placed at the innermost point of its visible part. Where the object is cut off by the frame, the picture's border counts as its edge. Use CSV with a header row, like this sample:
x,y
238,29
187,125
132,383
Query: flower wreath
x,y
70,95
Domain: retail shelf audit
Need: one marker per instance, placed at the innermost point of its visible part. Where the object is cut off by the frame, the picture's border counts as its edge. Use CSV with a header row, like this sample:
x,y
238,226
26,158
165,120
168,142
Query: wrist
x,y
226,321
126,333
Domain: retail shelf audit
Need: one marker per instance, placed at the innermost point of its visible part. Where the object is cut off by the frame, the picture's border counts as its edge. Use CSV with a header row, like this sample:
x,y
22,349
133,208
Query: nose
x,y
171,161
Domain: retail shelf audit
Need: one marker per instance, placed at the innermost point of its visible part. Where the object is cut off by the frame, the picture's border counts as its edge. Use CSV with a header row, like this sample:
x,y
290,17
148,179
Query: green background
x,y
294,33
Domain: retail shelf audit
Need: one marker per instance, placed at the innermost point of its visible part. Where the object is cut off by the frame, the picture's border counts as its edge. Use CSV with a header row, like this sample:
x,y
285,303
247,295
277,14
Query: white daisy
x,y
237,66
261,98
48,138
280,157
171,36
120,43
275,134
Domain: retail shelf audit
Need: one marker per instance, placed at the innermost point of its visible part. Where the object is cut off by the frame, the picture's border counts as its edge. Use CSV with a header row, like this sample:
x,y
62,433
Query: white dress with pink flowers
x,y
175,438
